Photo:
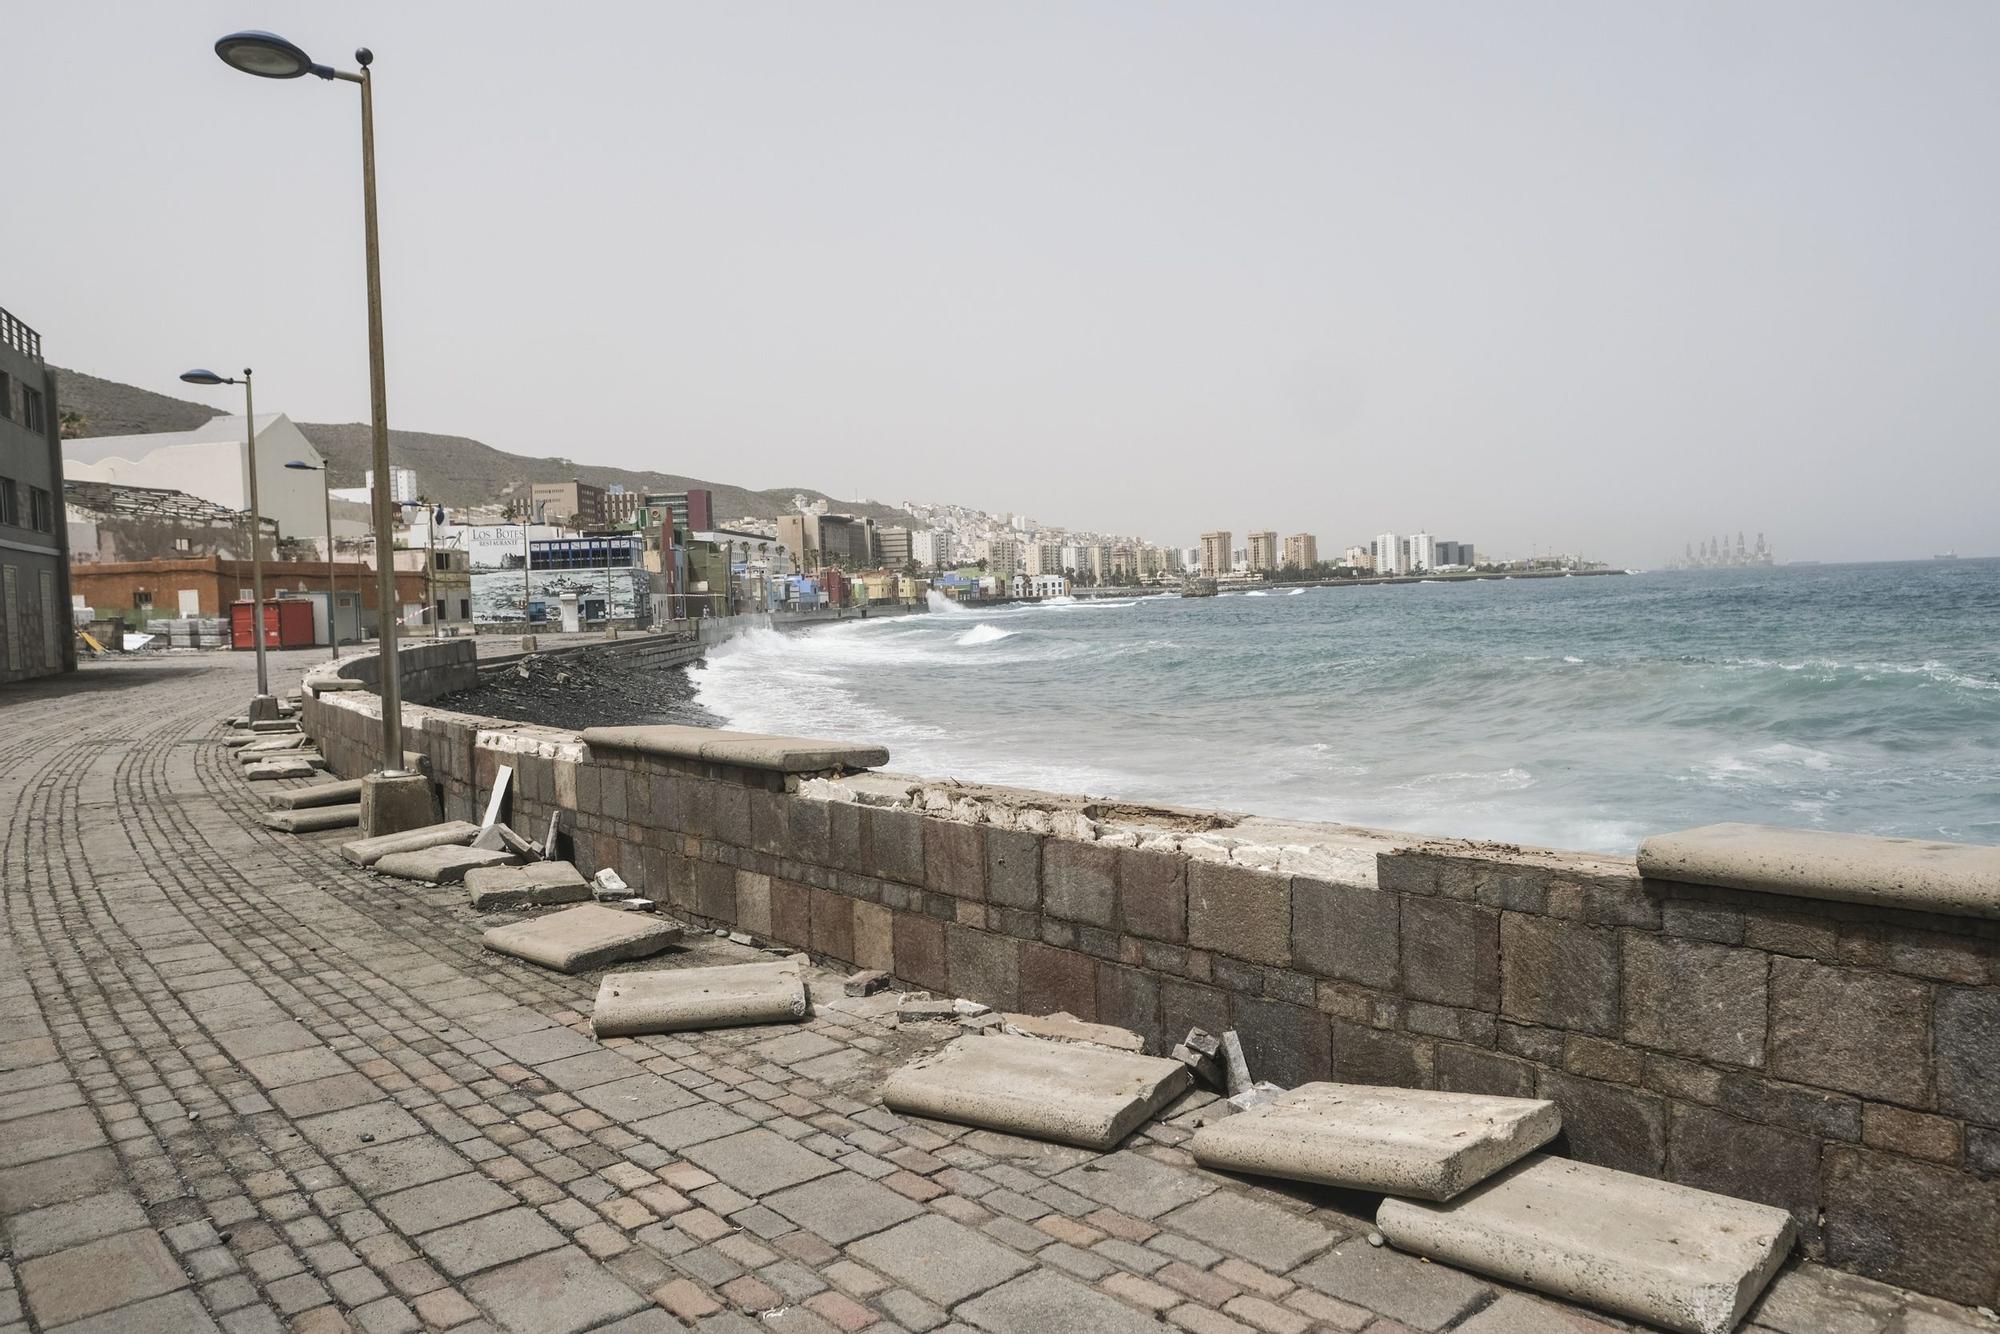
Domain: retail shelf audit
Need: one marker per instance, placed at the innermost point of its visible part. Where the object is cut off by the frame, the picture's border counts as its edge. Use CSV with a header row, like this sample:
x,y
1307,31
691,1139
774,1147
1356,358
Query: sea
x,y
1579,712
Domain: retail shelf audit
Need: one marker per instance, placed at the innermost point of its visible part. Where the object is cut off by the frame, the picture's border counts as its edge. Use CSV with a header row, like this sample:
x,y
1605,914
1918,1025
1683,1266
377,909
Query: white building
x,y
1040,586
924,548
1423,552
402,484
212,462
1389,554
1045,558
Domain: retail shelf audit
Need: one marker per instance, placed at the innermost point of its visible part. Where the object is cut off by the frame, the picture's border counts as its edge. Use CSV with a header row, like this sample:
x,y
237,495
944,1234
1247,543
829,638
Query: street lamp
x,y
256,532
269,56
332,600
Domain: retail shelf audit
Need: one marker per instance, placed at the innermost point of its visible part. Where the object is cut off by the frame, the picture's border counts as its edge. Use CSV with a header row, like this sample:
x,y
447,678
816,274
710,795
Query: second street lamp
x,y
258,707
269,56
332,600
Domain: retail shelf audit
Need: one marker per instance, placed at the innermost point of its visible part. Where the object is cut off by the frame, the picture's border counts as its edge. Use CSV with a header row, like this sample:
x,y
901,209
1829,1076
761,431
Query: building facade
x,y
1215,557
402,484
566,502
213,462
1261,553
36,638
1302,551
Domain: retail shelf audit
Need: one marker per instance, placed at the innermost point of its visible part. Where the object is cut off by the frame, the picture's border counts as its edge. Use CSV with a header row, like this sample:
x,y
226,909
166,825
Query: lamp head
x,y
203,377
303,466
264,54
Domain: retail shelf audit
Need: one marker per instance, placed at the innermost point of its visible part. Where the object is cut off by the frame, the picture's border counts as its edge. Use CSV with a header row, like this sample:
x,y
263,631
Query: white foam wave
x,y
982,634
941,604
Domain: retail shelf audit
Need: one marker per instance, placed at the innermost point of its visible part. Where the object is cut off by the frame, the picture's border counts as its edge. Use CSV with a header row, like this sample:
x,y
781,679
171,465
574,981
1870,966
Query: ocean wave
x,y
982,634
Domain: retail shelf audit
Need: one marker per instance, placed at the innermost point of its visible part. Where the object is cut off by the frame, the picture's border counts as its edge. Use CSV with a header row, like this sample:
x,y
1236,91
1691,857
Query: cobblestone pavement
x,y
246,1086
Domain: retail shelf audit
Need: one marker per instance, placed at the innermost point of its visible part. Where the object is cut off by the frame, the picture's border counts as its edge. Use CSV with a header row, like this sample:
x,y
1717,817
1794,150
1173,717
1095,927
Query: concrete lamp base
x,y
392,803
263,708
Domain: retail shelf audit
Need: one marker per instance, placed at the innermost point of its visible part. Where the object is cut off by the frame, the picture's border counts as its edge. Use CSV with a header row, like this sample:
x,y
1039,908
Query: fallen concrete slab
x,y
1392,1140
1065,1027
1061,1091
312,819
1920,873
323,794
445,864
265,745
584,937
1672,1256
368,851
494,888
292,766
679,999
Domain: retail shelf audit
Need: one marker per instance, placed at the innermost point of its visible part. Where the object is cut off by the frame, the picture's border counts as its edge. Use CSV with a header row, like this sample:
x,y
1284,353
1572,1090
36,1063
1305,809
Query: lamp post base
x,y
263,708
393,803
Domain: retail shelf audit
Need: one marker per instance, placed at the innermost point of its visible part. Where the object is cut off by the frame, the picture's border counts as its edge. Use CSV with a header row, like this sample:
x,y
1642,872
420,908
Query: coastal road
x,y
246,1086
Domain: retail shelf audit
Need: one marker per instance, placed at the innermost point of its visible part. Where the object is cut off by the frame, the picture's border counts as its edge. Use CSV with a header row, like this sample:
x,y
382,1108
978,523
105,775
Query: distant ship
x,y
1949,555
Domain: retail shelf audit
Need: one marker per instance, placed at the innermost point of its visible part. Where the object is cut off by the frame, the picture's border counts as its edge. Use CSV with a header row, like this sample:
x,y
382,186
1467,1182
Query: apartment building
x,y
1215,552
1262,552
577,503
35,634
1302,551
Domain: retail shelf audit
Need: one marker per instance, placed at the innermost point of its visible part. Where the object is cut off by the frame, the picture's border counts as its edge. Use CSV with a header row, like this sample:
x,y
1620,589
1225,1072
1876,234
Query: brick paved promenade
x,y
246,1086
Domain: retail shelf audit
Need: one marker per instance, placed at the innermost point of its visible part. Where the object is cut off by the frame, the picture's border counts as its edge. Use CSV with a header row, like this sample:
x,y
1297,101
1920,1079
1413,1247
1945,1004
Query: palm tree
x,y
72,423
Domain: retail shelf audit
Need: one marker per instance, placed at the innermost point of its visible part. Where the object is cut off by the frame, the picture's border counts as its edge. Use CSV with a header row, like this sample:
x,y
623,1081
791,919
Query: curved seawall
x,y
1817,1029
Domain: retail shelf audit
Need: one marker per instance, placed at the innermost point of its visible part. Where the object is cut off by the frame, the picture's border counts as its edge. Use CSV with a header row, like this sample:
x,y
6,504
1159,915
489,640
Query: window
x,y
31,409
183,544
465,609
142,599
6,396
10,502
41,514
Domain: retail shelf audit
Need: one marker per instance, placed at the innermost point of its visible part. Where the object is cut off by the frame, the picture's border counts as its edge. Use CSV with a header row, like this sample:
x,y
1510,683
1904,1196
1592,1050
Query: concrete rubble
x,y
1362,1137
1201,1052
584,937
678,999
1675,1257
1062,1091
294,765
368,851
608,885
921,1009
1235,1067
445,864
865,983
496,801
321,794
537,884
312,819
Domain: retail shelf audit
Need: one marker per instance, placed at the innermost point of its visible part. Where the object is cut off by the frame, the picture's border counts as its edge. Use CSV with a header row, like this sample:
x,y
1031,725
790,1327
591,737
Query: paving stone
x,y
1041,1302
73,1222
99,1275
493,1240
1261,1233
841,1208
578,939
942,1260
1135,1184
438,1204
49,1135
1399,1286
758,1161
377,1168
54,1180
692,1125
557,1292
178,1312
635,1097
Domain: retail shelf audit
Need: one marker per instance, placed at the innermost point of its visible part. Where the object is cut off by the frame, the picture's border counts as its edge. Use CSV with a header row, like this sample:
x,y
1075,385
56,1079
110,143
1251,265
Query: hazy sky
x,y
1608,276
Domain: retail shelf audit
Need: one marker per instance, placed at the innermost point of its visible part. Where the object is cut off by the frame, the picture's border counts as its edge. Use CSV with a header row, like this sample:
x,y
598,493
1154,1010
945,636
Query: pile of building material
x,y
587,936
678,999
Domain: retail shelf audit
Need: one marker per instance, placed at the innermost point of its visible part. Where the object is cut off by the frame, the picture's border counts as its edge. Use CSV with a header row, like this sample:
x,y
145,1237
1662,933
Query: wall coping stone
x,y
745,750
1961,879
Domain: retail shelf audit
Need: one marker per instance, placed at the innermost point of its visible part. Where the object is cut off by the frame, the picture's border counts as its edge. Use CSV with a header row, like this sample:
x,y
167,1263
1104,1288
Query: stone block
x,y
1285,1044
1672,1256
1711,1151
874,936
954,858
492,888
1241,912
1470,1070
1451,953
1185,1005
393,804
1080,881
443,865
1347,932
1394,1141
893,844
1810,1111
678,999
312,819
791,913
753,904
1130,997
1968,1053
1696,998
368,851
1364,1055
1152,894
1918,1134
1054,979
983,967
942,1261
1843,1028
1608,1125
1071,1094
1916,1224
587,936
1014,868
1560,973
833,925
920,954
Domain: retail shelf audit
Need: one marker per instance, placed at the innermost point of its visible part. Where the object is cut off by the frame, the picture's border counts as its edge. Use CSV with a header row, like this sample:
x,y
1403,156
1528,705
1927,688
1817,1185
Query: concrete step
x,y
1060,1091
368,851
1673,1256
320,794
678,999
1390,1140
312,819
578,939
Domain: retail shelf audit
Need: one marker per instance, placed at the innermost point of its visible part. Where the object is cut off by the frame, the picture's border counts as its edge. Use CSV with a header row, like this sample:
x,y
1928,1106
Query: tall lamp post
x,y
332,600
256,532
269,56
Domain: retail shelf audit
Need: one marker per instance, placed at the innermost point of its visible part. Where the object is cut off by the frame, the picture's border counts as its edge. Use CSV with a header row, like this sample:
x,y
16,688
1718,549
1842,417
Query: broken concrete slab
x,y
678,999
446,864
1062,1091
494,888
312,819
1670,1255
264,745
1363,1137
584,937
924,1010
513,842
489,827
1235,1067
322,794
368,851
294,765
1063,1026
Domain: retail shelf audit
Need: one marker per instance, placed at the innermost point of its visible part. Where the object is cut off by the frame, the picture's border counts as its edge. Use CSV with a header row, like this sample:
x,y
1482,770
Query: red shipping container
x,y
288,623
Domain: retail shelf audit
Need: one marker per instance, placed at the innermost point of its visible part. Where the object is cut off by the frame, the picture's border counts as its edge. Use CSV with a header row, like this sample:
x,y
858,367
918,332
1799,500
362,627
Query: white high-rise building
x,y
402,484
1389,554
1423,552
924,548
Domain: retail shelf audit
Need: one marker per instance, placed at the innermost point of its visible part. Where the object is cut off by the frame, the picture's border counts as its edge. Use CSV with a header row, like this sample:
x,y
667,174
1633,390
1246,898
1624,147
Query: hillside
x,y
454,469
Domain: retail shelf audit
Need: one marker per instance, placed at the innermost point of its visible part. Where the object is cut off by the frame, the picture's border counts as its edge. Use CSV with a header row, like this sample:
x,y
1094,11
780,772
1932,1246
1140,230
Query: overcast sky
x,y
1592,276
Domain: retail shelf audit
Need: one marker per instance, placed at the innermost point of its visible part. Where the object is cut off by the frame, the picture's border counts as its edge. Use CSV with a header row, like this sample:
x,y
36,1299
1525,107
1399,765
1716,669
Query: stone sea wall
x,y
1839,1060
